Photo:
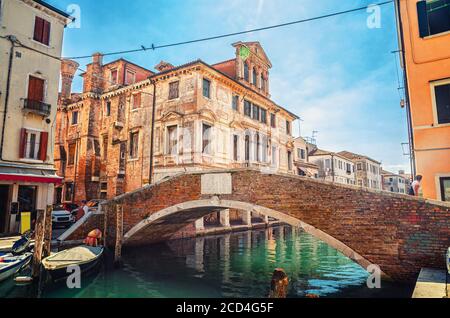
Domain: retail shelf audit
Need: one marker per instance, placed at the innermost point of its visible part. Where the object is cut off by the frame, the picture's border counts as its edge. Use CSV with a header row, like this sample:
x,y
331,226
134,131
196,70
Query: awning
x,y
12,173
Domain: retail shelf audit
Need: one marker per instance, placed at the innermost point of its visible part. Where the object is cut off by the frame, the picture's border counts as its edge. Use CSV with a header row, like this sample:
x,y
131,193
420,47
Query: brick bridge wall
x,y
399,233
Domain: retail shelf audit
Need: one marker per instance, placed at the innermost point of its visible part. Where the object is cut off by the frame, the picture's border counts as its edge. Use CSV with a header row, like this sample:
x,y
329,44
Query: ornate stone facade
x,y
206,117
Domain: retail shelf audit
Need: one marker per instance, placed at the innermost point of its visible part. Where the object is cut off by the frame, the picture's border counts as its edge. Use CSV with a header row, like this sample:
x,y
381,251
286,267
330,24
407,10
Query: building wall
x,y
427,62
368,173
112,170
334,173
17,19
25,63
394,183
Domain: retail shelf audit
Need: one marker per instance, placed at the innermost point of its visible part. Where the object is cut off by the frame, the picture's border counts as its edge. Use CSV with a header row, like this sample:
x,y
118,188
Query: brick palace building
x,y
206,117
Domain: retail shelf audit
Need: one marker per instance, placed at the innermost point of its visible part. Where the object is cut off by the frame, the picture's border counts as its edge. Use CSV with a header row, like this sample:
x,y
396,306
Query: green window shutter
x,y
422,13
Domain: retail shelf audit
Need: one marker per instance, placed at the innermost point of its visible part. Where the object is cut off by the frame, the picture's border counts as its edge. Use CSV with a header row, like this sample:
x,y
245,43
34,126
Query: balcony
x,y
36,107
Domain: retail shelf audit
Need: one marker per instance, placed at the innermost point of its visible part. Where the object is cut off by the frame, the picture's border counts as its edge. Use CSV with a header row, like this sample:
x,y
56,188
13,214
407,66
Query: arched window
x,y
246,74
263,83
255,76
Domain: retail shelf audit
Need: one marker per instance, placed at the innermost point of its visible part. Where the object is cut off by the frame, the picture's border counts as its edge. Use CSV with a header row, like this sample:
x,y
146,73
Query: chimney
x,y
93,78
68,70
164,66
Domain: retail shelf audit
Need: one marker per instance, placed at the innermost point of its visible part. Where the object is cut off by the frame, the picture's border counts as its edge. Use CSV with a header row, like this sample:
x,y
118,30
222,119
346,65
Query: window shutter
x,y
38,29
35,89
43,146
423,19
46,32
23,143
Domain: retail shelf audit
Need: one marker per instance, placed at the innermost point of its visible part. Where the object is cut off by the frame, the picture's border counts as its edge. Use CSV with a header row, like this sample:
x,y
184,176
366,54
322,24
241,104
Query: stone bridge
x,y
399,233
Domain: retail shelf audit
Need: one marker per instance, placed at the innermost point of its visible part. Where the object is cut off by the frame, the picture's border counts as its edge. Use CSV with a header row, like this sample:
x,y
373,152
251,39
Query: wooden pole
x,y
119,234
38,242
47,231
105,224
279,284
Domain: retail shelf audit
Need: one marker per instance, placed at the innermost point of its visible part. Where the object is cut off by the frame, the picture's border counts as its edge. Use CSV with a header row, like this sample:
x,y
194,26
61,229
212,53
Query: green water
x,y
230,265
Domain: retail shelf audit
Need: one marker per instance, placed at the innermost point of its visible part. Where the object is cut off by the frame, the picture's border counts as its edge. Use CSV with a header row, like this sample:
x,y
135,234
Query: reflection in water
x,y
230,265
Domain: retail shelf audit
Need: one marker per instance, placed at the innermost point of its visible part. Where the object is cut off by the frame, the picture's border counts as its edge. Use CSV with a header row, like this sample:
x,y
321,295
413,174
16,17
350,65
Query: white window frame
x,y
37,144
167,143
433,84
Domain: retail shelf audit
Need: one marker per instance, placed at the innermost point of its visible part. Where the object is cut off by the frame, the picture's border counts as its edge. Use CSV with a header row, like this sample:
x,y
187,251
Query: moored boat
x,y
86,257
11,264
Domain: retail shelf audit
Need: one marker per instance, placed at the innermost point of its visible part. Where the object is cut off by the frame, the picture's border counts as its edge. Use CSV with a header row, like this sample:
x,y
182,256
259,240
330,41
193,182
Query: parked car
x,y
61,217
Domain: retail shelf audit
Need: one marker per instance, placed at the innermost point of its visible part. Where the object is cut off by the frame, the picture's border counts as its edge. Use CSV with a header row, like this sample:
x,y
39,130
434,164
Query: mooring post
x,y
105,224
279,284
38,242
47,231
119,234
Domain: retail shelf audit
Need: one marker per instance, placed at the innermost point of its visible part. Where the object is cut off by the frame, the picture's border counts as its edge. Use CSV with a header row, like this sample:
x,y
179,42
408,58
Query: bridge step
x,y
431,284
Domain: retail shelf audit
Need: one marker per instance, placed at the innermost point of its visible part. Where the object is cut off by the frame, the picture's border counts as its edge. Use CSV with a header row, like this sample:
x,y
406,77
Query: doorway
x,y
27,200
4,208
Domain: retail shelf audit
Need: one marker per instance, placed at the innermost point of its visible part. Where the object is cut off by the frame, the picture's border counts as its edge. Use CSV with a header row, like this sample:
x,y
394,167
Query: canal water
x,y
230,265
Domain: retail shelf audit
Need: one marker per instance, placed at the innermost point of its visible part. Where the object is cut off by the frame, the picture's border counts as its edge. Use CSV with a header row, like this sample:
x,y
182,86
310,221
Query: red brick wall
x,y
399,233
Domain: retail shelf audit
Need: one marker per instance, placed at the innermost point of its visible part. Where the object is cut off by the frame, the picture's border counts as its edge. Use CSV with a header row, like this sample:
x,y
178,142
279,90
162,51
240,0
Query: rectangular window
x,y
273,122
263,116
71,158
108,109
68,191
36,89
247,108
206,88
442,100
41,31
113,77
105,148
235,103
206,139
136,101
255,112
235,147
434,17
134,144
289,159
288,127
130,77
103,190
174,90
265,148
172,138
274,156
254,77
75,117
445,188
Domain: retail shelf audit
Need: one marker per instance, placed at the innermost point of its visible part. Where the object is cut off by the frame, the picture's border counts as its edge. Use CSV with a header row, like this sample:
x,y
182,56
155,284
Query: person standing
x,y
415,186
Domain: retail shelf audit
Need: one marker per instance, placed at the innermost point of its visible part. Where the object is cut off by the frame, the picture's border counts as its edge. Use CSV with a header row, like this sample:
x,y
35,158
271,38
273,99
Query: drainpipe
x,y
11,39
412,160
150,177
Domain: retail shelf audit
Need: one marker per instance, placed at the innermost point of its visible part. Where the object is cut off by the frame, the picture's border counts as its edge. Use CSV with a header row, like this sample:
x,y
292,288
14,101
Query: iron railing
x,y
37,107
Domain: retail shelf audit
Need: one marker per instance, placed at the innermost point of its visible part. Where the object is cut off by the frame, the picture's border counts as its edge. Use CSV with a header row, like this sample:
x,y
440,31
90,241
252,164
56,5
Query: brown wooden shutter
x,y
35,89
23,143
46,32
38,29
43,146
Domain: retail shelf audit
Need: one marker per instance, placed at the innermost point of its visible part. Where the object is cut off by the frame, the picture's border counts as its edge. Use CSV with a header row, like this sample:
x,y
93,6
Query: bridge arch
x,y
215,203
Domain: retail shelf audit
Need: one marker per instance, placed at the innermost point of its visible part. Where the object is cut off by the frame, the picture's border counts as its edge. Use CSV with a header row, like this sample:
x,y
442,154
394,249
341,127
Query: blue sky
x,y
337,74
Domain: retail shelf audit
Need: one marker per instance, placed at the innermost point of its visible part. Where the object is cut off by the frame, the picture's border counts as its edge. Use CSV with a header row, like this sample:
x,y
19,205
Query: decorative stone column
x,y
247,217
224,218
200,224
